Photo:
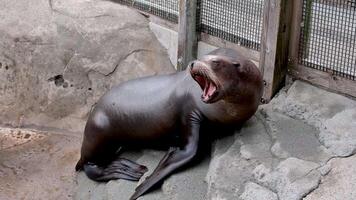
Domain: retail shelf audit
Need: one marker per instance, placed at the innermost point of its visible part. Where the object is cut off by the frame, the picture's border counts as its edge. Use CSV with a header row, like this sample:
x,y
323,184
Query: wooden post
x,y
295,33
274,45
187,37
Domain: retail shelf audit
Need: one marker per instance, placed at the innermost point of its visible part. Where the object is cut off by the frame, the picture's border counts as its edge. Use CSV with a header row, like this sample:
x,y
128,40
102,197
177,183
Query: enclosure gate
x,y
313,40
323,44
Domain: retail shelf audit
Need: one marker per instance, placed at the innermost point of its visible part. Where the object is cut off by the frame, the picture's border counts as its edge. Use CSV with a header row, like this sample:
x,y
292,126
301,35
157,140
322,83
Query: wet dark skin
x,y
220,88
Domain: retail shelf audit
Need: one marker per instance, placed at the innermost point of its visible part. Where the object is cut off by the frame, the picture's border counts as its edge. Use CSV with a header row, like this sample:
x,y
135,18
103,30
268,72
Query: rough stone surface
x,y
332,114
293,138
285,147
340,182
234,159
58,57
292,178
254,191
37,165
339,134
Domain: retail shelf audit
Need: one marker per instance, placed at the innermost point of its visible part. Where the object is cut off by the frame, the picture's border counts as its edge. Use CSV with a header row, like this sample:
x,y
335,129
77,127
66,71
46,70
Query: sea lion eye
x,y
216,62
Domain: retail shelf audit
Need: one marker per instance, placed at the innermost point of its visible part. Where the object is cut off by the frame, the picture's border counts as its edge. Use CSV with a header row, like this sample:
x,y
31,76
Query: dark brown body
x,y
147,111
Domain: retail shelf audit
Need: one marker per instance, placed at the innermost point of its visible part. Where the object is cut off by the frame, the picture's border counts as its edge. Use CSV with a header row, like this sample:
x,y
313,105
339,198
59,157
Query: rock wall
x,y
58,57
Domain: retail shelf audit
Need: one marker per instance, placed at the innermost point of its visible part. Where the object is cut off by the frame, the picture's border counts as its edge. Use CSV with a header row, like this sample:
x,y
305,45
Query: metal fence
x,y
311,40
328,36
237,21
166,9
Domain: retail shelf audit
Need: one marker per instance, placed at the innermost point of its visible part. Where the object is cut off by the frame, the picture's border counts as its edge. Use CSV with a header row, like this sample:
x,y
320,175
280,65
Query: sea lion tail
x,y
120,168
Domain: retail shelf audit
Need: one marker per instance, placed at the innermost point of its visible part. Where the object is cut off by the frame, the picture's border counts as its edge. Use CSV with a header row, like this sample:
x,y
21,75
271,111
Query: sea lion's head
x,y
223,74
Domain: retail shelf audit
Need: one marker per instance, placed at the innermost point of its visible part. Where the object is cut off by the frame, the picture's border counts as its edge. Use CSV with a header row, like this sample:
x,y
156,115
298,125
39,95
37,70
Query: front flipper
x,y
175,157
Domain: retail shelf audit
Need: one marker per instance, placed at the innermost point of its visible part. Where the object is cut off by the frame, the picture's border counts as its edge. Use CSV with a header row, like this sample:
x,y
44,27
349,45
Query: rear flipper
x,y
121,168
176,157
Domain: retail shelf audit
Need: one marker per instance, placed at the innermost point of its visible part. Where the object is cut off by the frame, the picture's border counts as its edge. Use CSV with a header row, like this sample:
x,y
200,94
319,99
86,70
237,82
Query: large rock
x,y
339,134
340,183
332,114
281,154
234,159
294,138
58,57
292,178
254,191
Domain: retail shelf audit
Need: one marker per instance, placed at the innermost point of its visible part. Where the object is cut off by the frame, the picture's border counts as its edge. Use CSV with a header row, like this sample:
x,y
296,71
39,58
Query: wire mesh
x,y
166,9
328,36
237,21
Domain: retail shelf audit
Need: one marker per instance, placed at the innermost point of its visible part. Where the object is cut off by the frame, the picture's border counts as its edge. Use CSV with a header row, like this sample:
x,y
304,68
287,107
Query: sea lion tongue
x,y
208,86
209,90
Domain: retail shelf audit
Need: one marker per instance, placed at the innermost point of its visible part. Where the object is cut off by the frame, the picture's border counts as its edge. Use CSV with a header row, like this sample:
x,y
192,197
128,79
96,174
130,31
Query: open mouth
x,y
210,89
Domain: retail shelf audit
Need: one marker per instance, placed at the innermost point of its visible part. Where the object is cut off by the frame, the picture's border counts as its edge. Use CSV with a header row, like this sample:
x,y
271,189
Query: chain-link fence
x,y
237,21
328,36
327,39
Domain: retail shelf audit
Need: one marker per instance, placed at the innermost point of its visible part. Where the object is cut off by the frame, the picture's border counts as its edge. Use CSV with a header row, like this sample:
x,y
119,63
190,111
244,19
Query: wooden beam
x,y
297,15
274,45
187,38
326,80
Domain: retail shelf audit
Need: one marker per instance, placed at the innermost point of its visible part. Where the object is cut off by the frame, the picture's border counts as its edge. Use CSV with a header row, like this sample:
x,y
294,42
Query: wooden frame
x,y
295,32
319,78
325,80
274,45
187,38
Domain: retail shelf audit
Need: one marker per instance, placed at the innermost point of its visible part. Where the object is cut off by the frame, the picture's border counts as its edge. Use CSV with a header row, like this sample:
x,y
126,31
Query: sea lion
x,y
221,87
